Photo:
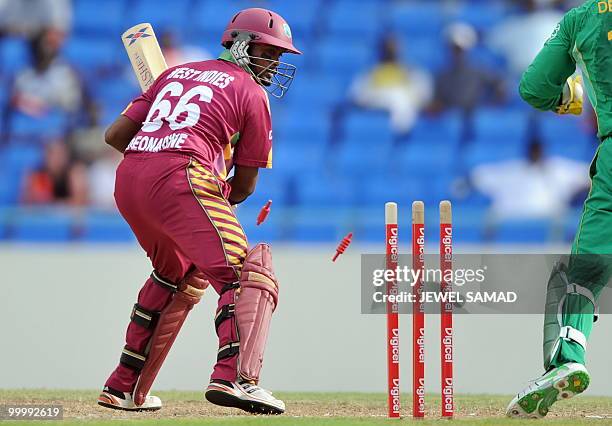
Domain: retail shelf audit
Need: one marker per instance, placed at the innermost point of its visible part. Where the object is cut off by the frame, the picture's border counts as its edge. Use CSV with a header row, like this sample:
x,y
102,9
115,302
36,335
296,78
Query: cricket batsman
x,y
181,138
583,39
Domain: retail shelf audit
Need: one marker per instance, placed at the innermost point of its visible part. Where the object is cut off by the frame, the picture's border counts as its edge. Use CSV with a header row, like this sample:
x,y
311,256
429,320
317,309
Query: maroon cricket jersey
x,y
213,111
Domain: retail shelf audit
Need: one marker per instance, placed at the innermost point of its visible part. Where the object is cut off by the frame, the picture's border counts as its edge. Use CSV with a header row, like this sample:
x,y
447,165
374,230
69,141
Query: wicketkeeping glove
x,y
572,99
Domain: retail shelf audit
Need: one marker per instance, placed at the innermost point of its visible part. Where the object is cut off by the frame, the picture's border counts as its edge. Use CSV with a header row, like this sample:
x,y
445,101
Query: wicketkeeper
x,y
583,39
181,138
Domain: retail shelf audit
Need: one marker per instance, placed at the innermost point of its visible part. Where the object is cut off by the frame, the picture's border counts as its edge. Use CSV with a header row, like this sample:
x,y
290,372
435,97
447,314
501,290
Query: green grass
x,y
338,409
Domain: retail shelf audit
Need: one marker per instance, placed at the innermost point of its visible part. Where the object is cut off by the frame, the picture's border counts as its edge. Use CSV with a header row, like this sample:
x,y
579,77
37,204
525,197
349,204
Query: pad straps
x,y
163,282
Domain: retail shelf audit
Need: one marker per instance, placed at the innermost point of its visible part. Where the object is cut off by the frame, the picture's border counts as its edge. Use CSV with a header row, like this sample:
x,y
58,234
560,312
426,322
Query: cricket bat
x,y
144,53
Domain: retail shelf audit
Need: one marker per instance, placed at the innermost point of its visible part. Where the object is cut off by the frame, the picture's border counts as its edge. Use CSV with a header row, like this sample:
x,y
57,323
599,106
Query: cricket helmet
x,y
261,26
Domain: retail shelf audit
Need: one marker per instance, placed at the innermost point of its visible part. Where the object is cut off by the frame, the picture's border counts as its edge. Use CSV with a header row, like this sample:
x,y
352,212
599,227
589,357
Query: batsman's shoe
x,y
558,384
118,400
244,395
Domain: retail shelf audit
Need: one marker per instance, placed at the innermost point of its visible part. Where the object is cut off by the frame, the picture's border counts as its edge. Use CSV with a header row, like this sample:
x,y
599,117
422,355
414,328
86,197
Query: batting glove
x,y
572,99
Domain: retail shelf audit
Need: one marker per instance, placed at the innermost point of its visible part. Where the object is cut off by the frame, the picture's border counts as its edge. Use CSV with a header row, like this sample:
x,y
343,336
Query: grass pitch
x,y
337,409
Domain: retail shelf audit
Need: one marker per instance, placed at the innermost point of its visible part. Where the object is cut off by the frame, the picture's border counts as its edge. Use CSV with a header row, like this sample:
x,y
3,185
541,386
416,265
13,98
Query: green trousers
x,y
591,258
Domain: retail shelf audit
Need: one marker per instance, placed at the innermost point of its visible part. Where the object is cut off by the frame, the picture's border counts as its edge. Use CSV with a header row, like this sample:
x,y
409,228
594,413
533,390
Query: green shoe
x,y
560,383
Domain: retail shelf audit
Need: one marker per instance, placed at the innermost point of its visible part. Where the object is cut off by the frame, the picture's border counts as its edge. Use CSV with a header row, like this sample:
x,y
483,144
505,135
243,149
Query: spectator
x,y
29,17
534,187
58,180
176,54
85,140
393,87
463,84
49,83
520,37
101,175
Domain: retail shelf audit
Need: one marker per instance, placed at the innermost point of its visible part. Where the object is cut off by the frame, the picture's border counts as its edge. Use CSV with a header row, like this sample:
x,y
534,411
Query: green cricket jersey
x,y
583,38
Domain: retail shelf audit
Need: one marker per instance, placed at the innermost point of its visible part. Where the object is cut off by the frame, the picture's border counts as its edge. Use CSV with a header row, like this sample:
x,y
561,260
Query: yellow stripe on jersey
x,y
217,205
227,226
233,238
219,215
207,184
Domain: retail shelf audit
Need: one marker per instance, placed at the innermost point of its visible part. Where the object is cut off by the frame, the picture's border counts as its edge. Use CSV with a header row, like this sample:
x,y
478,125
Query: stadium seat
x,y
92,54
495,123
212,16
360,159
270,231
105,227
567,137
32,129
161,14
316,91
522,231
445,129
481,15
303,17
325,190
271,185
424,53
344,58
312,157
491,151
422,19
14,55
42,226
367,127
345,21
304,123
18,158
306,226
87,18
428,157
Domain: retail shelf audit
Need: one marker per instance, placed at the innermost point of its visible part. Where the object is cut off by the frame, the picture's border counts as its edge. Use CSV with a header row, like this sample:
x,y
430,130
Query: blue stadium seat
x,y
299,156
105,227
424,53
52,125
303,123
9,190
344,20
491,151
344,57
522,231
91,54
302,17
481,15
428,157
17,158
318,190
269,231
485,58
422,19
115,92
161,14
5,218
14,55
42,226
366,127
358,158
271,185
444,129
87,20
494,123
212,16
567,137
307,226
468,223
316,91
